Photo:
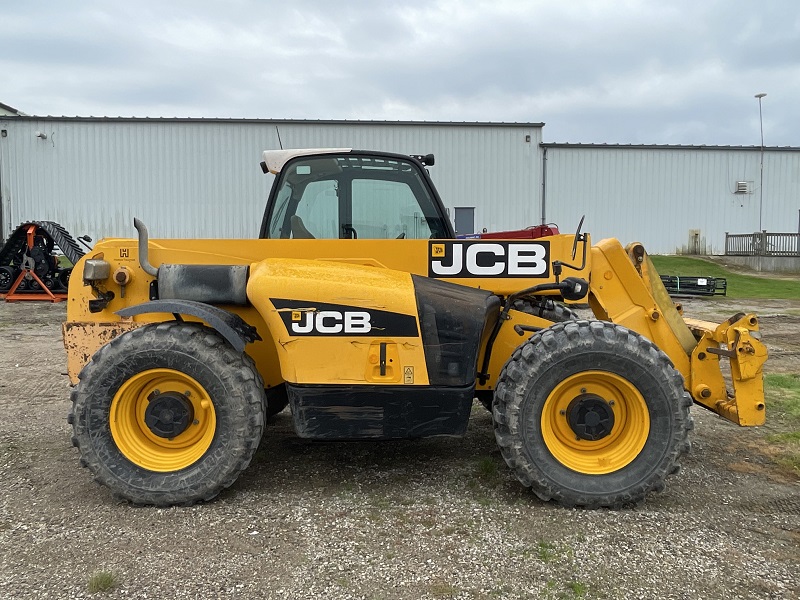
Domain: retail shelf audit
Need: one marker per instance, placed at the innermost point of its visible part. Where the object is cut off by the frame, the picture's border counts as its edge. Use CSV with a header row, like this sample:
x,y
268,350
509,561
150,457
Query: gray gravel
x,y
427,519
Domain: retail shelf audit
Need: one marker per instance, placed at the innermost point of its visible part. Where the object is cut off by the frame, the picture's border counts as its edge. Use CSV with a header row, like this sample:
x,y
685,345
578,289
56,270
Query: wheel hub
x,y
168,414
590,417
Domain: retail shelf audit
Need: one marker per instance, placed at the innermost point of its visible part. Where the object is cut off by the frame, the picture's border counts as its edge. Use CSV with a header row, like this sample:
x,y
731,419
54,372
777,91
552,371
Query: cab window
x,y
387,210
353,197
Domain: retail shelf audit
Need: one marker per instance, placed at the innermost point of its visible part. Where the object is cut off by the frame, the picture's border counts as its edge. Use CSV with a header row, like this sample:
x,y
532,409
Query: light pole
x,y
761,182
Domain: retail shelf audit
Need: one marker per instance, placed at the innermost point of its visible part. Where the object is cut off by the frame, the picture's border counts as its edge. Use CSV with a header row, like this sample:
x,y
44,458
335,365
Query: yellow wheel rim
x,y
143,447
614,451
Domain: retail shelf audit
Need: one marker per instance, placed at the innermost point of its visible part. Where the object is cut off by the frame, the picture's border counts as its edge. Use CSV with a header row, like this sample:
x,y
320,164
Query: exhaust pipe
x,y
143,240
210,284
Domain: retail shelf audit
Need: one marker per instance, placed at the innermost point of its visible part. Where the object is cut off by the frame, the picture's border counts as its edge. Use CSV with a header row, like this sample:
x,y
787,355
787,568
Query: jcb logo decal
x,y
302,317
489,259
331,322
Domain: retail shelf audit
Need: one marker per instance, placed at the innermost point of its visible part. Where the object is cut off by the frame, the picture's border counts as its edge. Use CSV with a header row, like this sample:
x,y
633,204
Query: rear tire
x,y
222,396
569,370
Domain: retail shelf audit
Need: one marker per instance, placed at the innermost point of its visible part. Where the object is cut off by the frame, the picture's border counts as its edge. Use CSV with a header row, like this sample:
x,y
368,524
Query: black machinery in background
x,y
695,286
30,269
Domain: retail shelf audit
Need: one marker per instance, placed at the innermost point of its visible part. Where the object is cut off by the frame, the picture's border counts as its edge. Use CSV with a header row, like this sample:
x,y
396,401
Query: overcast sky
x,y
666,72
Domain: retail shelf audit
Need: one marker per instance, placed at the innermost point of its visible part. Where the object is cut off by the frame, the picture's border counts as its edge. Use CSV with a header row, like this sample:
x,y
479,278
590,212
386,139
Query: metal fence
x,y
762,243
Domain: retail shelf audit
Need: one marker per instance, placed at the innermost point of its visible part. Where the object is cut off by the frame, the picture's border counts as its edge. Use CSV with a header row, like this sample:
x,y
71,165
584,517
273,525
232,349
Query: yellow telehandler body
x,y
360,309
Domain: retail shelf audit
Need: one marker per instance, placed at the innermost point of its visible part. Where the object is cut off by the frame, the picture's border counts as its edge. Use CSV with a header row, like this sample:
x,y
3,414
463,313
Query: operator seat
x,y
299,231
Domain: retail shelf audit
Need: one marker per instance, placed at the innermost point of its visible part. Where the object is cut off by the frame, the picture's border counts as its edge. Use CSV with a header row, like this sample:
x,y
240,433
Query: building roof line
x,y
275,121
4,106
667,147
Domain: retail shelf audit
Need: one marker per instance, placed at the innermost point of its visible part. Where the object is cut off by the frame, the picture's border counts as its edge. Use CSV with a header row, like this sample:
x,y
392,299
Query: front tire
x,y
168,414
589,413
547,308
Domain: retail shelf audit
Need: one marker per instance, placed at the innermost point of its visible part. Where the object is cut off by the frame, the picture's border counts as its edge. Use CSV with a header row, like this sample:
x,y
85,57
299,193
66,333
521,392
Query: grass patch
x,y
442,590
484,477
739,286
578,589
571,590
486,469
545,551
782,391
792,437
783,395
102,581
501,591
789,462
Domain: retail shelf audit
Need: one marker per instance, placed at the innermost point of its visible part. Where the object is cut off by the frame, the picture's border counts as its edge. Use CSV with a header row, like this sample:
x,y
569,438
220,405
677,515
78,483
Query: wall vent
x,y
743,187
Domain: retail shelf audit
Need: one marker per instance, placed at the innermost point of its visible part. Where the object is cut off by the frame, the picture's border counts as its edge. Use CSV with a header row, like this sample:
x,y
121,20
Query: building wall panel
x,y
201,178
674,200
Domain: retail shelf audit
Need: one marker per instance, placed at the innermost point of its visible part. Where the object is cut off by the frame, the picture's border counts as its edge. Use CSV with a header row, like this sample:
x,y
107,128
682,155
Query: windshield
x,y
353,197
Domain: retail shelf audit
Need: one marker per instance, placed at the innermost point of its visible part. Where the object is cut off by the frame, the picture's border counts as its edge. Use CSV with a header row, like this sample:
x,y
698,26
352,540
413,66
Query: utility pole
x,y
761,182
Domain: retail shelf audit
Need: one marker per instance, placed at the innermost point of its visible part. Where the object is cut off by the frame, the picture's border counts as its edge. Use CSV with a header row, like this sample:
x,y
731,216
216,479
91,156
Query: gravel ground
x,y
438,518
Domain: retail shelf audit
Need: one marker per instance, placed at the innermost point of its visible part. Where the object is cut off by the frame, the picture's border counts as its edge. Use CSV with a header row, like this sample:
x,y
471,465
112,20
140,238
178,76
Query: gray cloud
x,y
595,71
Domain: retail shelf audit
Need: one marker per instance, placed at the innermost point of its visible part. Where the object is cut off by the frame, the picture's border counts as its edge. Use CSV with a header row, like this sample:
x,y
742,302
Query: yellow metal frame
x,y
624,288
342,360
738,340
86,332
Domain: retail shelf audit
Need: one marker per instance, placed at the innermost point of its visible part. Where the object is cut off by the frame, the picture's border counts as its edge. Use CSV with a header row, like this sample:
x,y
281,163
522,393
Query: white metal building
x,y
674,199
201,178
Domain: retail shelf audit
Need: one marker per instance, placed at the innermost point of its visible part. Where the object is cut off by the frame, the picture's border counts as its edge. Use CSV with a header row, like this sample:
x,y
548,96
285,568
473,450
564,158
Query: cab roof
x,y
275,159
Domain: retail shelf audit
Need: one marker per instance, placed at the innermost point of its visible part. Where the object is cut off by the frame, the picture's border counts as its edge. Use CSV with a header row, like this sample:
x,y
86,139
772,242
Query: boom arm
x,y
626,289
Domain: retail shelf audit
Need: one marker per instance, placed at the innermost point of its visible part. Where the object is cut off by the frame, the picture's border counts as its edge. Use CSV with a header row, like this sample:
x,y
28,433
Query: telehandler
x,y
360,309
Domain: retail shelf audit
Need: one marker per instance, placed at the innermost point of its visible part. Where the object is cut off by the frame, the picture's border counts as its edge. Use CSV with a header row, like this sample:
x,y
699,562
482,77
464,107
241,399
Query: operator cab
x,y
351,194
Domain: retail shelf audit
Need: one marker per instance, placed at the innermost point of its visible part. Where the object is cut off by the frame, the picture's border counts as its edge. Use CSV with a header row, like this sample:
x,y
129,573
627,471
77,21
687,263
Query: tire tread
x,y
537,354
240,372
